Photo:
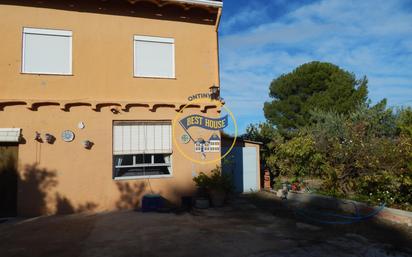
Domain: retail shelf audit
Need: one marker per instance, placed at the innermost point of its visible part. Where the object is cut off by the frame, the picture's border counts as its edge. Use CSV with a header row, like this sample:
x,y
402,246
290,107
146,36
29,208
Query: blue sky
x,y
262,39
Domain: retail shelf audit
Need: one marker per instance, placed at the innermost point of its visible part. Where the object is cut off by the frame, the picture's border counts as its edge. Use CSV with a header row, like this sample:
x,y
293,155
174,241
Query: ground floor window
x,y
141,149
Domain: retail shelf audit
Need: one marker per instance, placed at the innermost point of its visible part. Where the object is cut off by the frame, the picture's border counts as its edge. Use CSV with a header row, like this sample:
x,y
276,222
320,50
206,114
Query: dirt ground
x,y
255,225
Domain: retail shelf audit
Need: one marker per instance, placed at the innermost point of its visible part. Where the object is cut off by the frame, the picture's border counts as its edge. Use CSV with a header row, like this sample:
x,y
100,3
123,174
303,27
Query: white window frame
x,y
114,165
156,40
53,32
146,176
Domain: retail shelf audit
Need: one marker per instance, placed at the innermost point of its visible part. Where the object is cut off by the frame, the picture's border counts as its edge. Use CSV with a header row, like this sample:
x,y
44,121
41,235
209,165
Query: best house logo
x,y
204,122
203,131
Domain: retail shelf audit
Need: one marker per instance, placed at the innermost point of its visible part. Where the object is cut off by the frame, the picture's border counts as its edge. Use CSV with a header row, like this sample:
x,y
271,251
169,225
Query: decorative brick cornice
x,y
96,105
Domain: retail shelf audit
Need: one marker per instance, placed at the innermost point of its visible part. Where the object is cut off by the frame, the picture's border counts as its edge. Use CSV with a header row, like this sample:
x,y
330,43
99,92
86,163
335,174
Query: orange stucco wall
x,y
65,177
103,57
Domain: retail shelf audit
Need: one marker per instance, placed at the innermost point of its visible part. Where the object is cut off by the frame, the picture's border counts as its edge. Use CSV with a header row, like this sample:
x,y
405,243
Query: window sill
x,y
47,74
142,177
153,77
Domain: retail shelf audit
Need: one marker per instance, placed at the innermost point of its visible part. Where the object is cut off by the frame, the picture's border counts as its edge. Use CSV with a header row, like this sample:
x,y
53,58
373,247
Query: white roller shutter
x,y
166,136
47,51
154,57
117,139
150,138
141,144
142,137
127,138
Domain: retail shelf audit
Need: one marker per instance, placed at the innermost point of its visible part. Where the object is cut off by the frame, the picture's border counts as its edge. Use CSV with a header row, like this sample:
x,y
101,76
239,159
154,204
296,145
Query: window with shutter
x,y
154,57
142,149
47,51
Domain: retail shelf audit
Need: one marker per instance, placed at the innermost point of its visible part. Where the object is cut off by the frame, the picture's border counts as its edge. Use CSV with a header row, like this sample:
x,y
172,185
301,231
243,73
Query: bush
x,y
366,154
392,183
298,157
216,181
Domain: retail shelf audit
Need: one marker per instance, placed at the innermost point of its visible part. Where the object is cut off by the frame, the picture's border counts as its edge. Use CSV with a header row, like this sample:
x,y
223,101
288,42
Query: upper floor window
x,y
154,57
47,51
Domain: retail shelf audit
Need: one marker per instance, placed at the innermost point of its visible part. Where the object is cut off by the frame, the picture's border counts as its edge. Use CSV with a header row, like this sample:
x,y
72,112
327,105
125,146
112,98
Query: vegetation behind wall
x,y
365,154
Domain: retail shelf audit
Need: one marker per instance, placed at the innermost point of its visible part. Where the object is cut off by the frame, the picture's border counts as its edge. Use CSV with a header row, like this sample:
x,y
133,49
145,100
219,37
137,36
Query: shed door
x,y
8,179
249,169
241,165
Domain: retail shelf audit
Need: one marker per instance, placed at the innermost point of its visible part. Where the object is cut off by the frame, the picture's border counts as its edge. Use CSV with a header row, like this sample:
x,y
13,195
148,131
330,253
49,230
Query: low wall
x,y
319,201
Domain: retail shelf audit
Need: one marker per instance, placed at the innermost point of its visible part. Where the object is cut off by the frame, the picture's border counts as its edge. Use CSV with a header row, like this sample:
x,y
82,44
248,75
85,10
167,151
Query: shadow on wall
x,y
37,194
8,184
35,187
130,195
64,206
233,166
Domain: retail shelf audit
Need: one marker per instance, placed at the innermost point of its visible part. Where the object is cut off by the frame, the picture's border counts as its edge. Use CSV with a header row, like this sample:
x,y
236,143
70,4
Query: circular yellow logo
x,y
206,123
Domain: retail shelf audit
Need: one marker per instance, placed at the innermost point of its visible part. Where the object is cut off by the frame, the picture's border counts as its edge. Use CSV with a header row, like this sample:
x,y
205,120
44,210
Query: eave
x,y
202,2
186,4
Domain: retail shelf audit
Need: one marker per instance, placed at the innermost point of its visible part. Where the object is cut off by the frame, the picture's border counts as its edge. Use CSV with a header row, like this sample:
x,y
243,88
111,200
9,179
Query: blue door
x,y
241,165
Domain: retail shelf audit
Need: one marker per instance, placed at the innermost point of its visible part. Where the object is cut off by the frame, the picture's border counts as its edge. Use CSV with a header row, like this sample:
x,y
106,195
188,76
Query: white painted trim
x,y
157,40
50,32
152,77
202,2
144,165
71,54
47,73
23,50
11,135
149,176
142,177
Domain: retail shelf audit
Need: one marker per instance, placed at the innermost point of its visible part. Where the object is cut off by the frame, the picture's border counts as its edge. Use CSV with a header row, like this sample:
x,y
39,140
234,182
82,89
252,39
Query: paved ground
x,y
250,226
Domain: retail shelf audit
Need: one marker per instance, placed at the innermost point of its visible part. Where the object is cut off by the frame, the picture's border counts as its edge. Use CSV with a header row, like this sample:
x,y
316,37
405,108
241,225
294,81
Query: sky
x,y
262,39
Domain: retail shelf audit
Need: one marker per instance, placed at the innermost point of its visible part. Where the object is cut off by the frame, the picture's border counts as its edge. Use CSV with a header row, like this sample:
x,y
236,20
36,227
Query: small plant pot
x,y
202,192
202,203
217,197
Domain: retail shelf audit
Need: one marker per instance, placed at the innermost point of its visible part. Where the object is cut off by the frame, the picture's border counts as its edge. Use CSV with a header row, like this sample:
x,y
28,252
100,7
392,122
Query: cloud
x,y
369,37
244,17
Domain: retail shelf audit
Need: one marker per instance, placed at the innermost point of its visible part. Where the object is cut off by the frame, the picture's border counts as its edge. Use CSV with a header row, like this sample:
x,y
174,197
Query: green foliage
x,y
215,181
378,120
392,181
366,154
384,187
262,132
298,158
404,121
363,152
314,85
320,125
265,133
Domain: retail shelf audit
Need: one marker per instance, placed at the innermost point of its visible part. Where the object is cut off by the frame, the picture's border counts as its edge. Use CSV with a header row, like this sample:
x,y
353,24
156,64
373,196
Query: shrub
x,y
298,158
215,181
366,154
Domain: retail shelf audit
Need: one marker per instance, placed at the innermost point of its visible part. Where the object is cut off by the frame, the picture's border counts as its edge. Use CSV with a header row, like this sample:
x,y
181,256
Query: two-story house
x,y
88,94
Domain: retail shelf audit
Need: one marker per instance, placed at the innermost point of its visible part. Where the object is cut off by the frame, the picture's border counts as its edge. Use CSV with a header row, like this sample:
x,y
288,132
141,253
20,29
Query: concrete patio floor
x,y
249,226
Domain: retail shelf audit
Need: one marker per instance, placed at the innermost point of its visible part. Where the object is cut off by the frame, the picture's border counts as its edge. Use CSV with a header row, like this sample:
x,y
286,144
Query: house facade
x,y
89,91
